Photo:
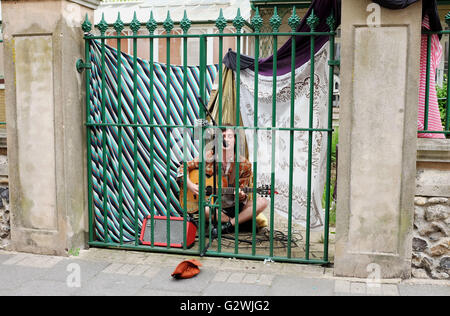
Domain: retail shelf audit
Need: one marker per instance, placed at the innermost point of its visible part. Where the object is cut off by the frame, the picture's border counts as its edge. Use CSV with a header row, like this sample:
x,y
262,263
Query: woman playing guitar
x,y
228,173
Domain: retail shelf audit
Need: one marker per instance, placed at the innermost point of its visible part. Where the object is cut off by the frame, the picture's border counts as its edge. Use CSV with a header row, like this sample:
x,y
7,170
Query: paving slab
x,y
4,257
44,288
104,284
123,273
295,286
423,290
12,277
234,289
63,270
164,281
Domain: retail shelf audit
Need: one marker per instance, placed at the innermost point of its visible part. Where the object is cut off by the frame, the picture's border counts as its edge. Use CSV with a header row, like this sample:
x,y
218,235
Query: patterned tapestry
x,y
109,136
282,138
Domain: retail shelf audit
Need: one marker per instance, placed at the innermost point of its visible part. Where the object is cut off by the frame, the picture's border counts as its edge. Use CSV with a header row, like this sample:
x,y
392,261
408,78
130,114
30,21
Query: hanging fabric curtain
x,y
430,22
395,4
109,169
282,138
429,7
323,9
228,106
434,122
228,99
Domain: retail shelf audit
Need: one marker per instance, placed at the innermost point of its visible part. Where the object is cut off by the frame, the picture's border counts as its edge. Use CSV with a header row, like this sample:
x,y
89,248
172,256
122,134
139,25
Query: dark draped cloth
x,y
322,9
429,7
395,4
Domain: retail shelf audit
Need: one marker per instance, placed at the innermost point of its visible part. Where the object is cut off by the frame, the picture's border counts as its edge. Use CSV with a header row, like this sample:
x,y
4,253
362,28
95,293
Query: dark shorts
x,y
231,212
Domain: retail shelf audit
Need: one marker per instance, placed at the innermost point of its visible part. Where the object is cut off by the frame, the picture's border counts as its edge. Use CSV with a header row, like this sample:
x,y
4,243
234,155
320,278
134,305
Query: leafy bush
x,y
334,142
442,99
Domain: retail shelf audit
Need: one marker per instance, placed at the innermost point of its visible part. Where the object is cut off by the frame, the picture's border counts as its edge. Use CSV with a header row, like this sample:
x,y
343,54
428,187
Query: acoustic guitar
x,y
192,199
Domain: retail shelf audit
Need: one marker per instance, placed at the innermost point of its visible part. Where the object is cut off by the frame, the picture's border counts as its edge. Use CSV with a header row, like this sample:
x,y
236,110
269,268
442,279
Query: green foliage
x,y
74,252
442,99
334,143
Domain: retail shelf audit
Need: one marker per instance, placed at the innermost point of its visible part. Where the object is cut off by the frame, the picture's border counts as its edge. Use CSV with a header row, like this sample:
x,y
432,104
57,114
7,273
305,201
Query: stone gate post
x,y
377,147
45,114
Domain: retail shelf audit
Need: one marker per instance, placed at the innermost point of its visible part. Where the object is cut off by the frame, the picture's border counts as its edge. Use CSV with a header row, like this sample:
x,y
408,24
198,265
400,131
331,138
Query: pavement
x,y
104,272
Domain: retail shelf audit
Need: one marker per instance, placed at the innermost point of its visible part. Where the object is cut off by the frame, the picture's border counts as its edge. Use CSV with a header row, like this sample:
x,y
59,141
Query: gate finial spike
x,y
135,25
447,19
221,23
239,21
257,21
102,25
118,25
168,23
185,23
151,24
312,21
86,26
275,21
294,20
331,21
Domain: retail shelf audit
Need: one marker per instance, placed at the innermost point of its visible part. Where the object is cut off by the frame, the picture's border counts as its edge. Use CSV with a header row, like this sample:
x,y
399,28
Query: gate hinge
x,y
81,65
334,62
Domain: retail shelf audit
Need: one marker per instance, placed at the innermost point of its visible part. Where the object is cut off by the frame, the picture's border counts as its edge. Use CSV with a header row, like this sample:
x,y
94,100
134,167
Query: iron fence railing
x,y
120,124
2,124
444,102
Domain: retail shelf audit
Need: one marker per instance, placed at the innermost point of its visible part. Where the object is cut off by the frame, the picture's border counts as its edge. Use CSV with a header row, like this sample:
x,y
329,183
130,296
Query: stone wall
x,y
5,225
431,237
5,228
431,242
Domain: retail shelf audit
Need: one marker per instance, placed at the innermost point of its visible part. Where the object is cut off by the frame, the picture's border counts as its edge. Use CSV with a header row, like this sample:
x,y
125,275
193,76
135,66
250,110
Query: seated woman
x,y
229,167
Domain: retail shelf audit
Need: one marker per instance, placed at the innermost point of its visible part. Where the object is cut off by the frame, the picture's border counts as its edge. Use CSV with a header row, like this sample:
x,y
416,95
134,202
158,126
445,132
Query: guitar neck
x,y
231,190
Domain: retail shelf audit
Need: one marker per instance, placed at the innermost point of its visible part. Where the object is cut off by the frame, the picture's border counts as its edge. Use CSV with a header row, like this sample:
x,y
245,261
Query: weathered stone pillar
x,y
377,146
45,114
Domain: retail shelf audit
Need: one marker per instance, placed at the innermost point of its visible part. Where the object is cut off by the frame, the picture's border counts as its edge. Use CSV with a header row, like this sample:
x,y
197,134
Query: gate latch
x,y
81,65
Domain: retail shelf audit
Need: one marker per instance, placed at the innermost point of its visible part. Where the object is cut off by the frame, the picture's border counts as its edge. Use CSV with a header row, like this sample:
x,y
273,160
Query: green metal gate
x,y
102,125
442,92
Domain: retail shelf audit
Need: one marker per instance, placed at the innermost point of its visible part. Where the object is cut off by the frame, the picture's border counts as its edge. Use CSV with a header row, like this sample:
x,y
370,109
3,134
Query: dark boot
x,y
227,228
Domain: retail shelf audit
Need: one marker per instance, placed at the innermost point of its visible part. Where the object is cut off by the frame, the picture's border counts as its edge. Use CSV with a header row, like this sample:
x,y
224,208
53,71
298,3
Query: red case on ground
x,y
160,232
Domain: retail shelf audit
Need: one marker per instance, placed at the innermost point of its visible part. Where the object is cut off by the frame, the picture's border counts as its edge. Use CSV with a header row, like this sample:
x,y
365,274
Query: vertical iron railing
x,y
257,23
118,26
151,26
275,23
444,107
2,124
133,124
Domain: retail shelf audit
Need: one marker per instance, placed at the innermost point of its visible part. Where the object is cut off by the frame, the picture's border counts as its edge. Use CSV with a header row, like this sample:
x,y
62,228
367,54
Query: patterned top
x,y
228,172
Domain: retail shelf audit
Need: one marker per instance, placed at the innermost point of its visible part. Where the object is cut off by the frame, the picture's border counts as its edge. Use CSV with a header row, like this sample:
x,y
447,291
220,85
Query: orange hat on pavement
x,y
187,269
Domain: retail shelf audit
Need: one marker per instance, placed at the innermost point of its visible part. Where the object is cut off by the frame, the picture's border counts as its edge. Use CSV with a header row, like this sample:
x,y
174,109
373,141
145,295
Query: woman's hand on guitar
x,y
192,187
242,195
